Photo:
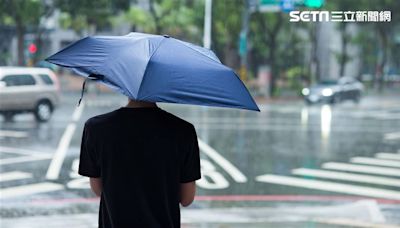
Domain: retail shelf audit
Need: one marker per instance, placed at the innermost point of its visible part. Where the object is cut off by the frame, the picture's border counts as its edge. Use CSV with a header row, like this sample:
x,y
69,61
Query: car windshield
x,y
328,82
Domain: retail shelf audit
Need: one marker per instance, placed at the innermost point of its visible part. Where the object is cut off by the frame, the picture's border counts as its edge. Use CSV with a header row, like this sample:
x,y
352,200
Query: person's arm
x,y
88,165
190,167
188,191
95,185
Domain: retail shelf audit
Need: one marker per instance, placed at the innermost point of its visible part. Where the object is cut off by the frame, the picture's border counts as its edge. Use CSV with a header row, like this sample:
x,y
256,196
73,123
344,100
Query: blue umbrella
x,y
157,68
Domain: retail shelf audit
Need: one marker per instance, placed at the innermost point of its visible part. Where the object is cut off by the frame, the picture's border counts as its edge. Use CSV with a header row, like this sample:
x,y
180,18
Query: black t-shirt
x,y
142,156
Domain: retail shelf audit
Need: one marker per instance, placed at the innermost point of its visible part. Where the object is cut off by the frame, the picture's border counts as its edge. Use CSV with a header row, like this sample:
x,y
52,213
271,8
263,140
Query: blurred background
x,y
323,152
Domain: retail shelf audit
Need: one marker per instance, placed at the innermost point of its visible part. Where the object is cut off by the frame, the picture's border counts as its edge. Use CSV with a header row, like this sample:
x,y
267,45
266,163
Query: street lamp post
x,y
207,24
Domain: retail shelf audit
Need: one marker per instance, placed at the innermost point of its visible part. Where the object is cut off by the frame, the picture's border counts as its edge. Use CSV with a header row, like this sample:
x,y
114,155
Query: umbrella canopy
x,y
157,68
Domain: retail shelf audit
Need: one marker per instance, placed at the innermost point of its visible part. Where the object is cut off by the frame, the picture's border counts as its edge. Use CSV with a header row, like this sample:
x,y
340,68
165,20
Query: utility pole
x,y
207,24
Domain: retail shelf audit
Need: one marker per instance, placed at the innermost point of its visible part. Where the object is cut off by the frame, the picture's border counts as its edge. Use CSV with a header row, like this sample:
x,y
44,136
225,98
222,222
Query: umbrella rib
x,y
198,51
145,71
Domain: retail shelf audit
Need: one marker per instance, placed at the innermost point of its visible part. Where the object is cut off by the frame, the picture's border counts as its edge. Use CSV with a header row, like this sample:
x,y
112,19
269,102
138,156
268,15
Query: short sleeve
x,y
190,167
88,165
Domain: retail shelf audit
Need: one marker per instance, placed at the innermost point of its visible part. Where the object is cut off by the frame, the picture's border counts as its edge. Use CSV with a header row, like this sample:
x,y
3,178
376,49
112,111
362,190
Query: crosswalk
x,y
376,177
13,179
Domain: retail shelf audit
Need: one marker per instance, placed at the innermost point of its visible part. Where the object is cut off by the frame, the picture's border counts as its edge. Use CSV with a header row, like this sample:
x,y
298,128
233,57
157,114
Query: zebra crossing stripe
x,y
392,136
375,161
29,189
329,186
347,177
388,156
14,134
362,168
15,175
6,161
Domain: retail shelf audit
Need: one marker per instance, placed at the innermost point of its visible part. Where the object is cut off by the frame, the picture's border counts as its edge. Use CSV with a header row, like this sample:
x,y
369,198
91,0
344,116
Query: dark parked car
x,y
334,91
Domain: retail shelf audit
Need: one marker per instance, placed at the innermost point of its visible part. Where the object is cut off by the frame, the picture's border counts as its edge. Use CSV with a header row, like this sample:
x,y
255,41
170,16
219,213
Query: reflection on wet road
x,y
325,156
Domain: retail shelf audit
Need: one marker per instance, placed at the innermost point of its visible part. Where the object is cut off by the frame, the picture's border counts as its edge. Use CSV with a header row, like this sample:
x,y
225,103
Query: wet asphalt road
x,y
289,154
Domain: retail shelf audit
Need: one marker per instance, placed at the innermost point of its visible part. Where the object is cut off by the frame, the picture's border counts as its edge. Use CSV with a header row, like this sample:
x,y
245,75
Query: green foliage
x,y
176,18
294,76
80,15
21,12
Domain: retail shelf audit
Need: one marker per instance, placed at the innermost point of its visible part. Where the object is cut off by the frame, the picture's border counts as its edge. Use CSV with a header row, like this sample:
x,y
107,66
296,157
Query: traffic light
x,y
32,48
313,3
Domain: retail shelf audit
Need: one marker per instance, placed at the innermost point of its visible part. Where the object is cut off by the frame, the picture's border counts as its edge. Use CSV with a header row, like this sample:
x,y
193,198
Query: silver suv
x,y
26,89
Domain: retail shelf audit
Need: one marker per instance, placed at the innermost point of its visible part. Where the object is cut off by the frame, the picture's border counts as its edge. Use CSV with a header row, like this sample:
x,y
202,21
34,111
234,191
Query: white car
x,y
28,89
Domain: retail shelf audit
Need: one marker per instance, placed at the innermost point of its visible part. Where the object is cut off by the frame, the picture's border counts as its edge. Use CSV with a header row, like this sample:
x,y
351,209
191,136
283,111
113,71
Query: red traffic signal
x,y
32,48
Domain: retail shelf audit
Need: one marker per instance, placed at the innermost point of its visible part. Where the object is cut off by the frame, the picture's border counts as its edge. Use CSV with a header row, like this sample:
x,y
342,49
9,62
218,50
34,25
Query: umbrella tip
x,y
166,36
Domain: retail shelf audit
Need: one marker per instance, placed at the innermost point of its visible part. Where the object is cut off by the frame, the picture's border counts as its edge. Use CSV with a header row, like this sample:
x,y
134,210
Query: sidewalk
x,y
363,213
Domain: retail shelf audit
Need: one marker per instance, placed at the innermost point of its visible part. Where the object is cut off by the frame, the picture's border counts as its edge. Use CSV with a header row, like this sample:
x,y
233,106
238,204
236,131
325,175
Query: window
x,y
46,79
10,80
19,80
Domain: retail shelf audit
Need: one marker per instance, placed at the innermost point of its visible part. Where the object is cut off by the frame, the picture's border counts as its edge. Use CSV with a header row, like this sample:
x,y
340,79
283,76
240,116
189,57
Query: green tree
x,y
24,15
383,35
226,26
88,15
172,17
271,25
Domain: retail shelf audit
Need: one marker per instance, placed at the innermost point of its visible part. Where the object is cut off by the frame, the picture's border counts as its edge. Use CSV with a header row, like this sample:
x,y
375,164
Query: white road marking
x,y
362,168
6,161
15,134
330,186
221,161
214,180
58,158
392,136
79,183
375,161
374,211
78,112
55,166
345,222
21,151
347,176
15,175
29,189
388,156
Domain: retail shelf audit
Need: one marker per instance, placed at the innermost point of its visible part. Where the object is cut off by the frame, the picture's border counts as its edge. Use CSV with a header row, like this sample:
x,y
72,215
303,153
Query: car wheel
x,y
8,116
335,99
43,111
357,98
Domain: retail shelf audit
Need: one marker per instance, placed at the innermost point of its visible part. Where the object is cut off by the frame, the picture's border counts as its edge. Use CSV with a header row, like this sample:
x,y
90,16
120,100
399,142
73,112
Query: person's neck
x,y
140,104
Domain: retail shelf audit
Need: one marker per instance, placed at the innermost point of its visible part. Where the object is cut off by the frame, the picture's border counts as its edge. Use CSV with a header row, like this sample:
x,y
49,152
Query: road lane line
x,y
15,175
375,161
347,176
14,134
221,161
20,159
29,189
388,156
78,112
345,222
13,150
329,186
58,158
392,136
362,168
